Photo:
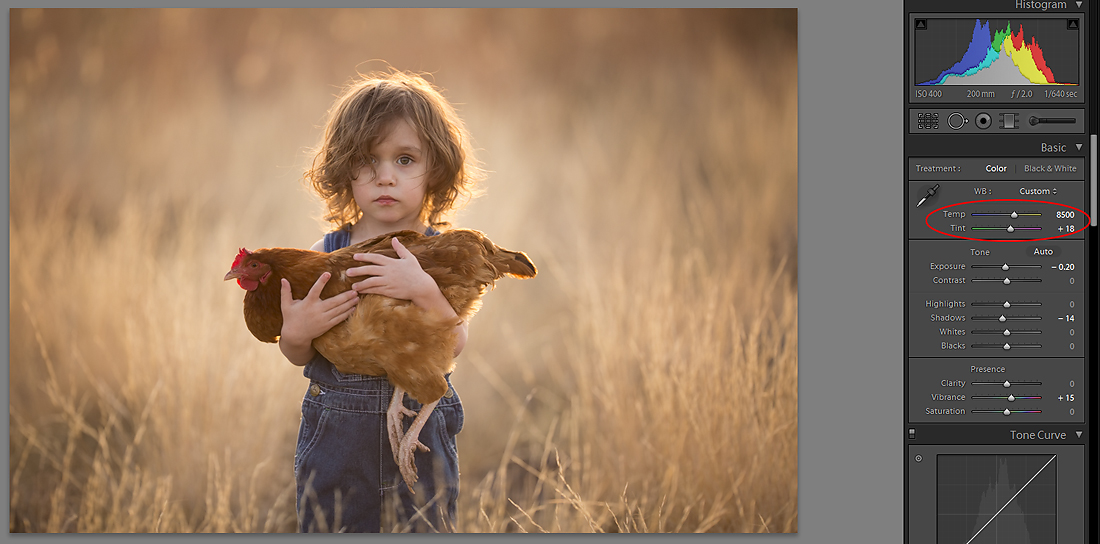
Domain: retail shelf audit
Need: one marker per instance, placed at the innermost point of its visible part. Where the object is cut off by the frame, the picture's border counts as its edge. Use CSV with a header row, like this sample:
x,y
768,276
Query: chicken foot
x,y
394,417
410,443
405,444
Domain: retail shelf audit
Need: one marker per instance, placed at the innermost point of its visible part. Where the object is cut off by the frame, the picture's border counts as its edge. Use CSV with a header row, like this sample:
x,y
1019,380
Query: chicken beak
x,y
233,274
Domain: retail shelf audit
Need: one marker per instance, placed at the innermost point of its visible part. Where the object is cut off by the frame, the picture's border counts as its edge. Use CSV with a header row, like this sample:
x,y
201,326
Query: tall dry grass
x,y
646,160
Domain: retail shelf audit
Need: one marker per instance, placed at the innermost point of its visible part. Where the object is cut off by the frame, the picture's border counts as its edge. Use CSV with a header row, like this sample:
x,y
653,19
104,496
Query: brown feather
x,y
386,336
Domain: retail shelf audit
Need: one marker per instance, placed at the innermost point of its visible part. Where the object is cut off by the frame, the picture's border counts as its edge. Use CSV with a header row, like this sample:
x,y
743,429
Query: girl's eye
x,y
405,161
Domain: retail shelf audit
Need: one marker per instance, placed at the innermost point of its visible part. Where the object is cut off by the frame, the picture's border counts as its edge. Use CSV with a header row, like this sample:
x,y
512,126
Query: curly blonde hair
x,y
360,118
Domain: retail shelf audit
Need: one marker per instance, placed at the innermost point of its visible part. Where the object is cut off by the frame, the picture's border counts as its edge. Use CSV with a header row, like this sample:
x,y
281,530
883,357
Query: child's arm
x,y
404,279
310,317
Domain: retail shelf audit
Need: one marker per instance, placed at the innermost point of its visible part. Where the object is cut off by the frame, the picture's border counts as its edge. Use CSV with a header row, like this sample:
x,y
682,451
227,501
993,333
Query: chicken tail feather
x,y
515,264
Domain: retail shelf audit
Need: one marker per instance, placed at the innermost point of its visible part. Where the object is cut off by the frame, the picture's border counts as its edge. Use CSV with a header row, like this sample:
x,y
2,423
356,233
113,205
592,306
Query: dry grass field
x,y
645,381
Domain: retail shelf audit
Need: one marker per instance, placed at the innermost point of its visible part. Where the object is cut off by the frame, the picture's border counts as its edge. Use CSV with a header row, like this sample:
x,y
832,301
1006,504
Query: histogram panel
x,y
997,52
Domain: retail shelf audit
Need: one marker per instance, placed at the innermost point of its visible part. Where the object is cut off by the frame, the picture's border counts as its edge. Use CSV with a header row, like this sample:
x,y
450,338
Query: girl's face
x,y
390,187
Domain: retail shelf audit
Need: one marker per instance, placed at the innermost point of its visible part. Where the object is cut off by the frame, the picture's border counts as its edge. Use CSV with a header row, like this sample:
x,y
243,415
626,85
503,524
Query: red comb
x,y
240,257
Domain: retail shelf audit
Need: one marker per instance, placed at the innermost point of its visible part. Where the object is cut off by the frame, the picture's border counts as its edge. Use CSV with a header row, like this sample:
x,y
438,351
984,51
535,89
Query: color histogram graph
x,y
997,52
996,499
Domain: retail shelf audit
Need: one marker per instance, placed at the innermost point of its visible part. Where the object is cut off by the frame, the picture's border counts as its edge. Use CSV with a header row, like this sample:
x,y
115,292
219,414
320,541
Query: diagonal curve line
x,y
1009,502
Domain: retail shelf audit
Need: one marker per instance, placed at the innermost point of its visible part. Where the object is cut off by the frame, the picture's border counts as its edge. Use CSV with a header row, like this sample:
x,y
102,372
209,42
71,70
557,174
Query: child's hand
x,y
310,317
400,278
403,278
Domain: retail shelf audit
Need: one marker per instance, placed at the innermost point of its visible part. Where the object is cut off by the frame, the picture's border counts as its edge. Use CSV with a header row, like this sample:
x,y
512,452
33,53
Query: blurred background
x,y
646,161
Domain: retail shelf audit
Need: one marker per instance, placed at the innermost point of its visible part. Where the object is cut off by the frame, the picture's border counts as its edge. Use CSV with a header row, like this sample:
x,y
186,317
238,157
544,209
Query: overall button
x,y
314,390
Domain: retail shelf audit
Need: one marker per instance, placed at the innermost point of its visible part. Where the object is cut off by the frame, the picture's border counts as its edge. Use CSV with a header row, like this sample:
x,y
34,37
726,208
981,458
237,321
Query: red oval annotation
x,y
1088,219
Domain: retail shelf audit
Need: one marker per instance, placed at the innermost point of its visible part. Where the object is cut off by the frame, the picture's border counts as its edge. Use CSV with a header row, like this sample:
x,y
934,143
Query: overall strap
x,y
337,239
341,238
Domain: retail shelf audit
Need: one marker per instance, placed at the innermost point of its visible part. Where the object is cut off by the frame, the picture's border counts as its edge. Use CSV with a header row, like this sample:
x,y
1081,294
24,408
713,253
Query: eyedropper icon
x,y
931,191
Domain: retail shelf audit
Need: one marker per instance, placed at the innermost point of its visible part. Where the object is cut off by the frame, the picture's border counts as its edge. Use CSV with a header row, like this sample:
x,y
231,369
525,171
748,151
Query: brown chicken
x,y
385,336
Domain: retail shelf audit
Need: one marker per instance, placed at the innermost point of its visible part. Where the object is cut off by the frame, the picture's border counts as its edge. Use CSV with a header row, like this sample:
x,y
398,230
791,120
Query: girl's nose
x,y
385,176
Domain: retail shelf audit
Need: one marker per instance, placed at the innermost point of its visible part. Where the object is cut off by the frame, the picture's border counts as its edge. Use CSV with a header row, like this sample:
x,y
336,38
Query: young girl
x,y
394,156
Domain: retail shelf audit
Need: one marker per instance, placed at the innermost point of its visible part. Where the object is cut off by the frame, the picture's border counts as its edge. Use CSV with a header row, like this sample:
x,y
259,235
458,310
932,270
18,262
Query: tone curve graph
x,y
997,499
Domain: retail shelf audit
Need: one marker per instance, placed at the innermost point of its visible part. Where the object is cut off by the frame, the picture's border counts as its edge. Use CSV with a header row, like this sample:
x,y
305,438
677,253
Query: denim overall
x,y
343,465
